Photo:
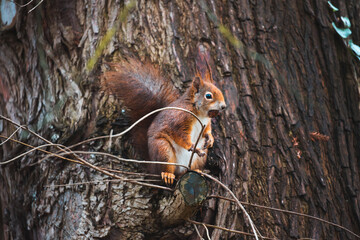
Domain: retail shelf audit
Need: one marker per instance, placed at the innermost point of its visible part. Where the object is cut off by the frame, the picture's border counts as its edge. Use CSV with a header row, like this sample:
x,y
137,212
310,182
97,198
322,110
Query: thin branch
x,y
25,128
21,6
207,231
123,179
7,139
197,231
132,173
35,6
89,182
30,146
119,177
125,159
289,212
110,140
25,153
32,132
226,229
81,183
236,200
196,143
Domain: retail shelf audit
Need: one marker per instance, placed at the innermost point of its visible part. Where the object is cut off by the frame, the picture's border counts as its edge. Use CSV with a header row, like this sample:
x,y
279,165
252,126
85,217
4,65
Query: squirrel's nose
x,y
223,106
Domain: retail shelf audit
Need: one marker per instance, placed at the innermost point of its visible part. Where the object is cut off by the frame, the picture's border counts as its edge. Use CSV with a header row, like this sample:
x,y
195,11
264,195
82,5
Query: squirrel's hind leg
x,y
161,150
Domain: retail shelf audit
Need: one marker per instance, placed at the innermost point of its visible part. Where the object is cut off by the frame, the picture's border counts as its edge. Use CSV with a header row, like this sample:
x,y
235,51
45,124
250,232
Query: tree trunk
x,y
289,138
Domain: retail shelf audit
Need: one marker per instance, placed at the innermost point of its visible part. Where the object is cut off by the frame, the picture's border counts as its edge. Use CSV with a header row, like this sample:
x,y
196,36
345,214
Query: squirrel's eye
x,y
208,96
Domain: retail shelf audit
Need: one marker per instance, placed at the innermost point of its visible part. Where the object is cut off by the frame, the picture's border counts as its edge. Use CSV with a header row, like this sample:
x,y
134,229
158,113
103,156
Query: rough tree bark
x,y
301,80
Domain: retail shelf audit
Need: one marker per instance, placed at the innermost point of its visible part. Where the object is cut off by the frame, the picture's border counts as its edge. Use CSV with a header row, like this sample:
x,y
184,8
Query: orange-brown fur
x,y
143,90
175,127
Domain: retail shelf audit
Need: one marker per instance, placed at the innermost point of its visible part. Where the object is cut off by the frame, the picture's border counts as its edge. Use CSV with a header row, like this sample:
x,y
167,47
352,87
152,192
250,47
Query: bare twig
x,y
207,231
236,200
226,229
102,170
32,132
125,159
32,150
110,140
197,231
196,143
25,128
121,178
24,5
81,183
51,144
289,212
133,173
7,139
35,6
89,182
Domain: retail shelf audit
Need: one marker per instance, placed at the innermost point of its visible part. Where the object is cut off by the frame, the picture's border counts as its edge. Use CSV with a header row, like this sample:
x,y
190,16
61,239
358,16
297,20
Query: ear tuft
x,y
197,83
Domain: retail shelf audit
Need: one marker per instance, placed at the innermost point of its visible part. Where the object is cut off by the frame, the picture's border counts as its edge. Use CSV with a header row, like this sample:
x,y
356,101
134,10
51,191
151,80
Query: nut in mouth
x,y
213,113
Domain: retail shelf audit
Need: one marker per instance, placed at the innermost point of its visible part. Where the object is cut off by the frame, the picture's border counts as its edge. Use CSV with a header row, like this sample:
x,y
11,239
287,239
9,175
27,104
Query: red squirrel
x,y
170,135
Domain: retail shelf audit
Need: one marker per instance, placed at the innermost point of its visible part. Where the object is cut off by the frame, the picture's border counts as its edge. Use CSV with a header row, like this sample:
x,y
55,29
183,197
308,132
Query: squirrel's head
x,y
208,99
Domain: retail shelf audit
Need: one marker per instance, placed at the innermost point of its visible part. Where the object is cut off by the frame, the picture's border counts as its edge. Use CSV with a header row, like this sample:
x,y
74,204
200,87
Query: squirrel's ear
x,y
197,83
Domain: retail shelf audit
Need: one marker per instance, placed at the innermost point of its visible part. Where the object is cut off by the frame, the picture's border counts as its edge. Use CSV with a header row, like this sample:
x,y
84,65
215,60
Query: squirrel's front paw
x,y
209,141
197,151
168,177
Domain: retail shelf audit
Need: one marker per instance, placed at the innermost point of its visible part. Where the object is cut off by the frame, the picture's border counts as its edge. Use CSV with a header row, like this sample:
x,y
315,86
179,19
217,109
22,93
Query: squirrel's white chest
x,y
196,130
183,155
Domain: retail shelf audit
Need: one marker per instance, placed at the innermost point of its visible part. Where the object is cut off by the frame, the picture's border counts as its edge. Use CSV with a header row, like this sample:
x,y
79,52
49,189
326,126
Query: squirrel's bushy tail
x,y
142,90
139,86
